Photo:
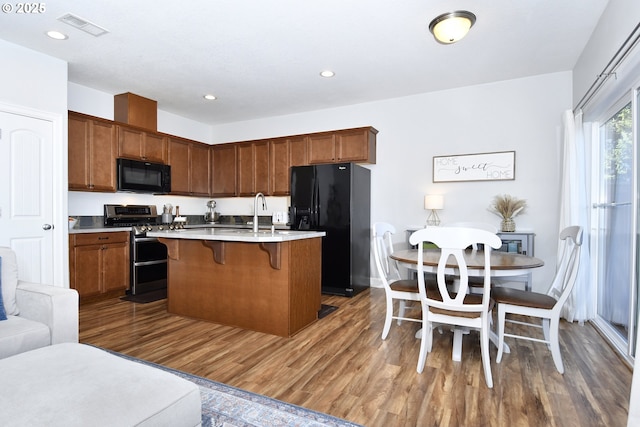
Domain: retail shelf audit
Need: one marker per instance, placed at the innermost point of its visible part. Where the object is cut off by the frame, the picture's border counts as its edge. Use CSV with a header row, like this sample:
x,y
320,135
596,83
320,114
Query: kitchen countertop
x,y
95,224
237,235
103,229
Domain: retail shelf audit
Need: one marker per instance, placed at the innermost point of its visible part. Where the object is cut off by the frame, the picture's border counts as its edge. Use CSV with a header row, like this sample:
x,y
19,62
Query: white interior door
x,y
26,199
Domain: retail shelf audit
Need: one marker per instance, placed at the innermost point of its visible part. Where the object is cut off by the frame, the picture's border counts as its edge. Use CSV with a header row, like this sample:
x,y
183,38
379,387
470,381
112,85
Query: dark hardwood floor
x,y
340,366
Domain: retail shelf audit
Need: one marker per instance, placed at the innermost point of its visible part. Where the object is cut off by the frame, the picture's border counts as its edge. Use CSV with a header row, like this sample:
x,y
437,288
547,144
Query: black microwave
x,y
143,177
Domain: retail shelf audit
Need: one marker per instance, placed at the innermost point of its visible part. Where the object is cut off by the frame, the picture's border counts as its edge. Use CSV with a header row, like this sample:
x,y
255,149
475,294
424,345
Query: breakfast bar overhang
x,y
265,281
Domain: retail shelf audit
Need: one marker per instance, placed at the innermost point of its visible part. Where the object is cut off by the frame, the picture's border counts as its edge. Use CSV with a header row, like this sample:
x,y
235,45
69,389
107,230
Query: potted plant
x,y
507,207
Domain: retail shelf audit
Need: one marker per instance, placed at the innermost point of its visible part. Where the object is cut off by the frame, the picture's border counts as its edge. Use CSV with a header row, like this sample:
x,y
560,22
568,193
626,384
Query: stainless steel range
x,y
148,268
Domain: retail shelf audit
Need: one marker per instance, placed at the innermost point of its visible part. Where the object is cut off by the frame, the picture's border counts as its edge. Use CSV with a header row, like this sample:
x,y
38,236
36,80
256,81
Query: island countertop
x,y
237,235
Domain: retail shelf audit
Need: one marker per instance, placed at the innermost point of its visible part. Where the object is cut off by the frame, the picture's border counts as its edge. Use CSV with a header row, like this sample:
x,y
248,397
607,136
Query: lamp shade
x,y
433,201
451,27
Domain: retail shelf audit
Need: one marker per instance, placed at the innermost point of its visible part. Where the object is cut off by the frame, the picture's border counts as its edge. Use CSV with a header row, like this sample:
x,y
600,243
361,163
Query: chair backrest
x,y
382,248
567,271
452,242
471,224
480,225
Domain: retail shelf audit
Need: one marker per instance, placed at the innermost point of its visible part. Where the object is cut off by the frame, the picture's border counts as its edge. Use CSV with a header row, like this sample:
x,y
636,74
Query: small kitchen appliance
x,y
167,214
211,215
143,177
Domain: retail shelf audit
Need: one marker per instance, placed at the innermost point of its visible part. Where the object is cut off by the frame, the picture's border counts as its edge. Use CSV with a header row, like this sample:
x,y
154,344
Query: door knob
x,y
47,227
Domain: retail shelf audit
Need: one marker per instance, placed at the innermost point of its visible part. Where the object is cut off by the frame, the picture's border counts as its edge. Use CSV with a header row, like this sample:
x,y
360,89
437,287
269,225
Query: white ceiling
x,y
263,58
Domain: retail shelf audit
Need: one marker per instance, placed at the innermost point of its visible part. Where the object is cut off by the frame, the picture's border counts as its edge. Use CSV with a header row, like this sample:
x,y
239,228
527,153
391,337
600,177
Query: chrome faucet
x,y
255,210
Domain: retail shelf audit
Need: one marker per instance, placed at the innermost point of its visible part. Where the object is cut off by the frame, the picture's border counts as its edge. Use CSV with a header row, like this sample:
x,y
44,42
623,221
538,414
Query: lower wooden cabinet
x,y
99,264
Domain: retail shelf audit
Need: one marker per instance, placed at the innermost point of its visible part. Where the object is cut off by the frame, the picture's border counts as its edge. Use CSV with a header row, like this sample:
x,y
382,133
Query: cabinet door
x,y
298,151
245,169
352,145
154,148
140,145
200,169
86,277
279,158
103,156
92,151
179,162
224,170
322,148
115,266
261,168
78,146
130,142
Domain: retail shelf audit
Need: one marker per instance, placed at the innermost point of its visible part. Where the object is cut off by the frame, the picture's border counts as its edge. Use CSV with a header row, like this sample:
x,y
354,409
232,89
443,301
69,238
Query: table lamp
x,y
433,202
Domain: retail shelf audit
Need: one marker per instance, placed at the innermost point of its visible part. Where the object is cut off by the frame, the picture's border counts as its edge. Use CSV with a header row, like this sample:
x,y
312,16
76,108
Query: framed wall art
x,y
497,166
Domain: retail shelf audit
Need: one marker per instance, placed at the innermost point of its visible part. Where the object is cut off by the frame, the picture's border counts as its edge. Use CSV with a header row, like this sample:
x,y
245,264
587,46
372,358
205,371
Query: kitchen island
x,y
267,281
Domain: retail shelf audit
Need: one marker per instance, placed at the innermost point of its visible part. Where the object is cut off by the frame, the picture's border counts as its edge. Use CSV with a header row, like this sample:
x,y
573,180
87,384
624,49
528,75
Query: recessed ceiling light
x,y
57,35
327,73
209,97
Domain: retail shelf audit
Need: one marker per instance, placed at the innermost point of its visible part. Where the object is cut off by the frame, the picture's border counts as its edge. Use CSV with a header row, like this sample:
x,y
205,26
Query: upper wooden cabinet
x,y
349,145
190,167
200,170
140,145
280,161
253,168
197,169
223,162
298,150
92,153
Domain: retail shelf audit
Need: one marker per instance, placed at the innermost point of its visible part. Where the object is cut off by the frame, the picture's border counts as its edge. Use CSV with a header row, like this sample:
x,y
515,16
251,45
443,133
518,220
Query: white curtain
x,y
574,210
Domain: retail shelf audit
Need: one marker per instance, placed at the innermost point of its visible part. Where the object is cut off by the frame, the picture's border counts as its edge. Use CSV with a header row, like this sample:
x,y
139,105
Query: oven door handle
x,y
145,239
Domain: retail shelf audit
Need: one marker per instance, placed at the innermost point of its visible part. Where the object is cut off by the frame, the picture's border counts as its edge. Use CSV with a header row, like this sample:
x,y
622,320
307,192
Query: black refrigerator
x,y
336,199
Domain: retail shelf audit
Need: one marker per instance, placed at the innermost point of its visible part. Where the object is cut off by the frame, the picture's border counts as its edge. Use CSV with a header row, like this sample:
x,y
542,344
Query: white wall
x,y
36,84
522,115
616,24
86,100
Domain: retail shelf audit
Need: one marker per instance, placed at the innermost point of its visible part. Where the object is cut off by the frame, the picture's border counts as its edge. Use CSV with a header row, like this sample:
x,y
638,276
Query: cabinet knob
x,y
47,226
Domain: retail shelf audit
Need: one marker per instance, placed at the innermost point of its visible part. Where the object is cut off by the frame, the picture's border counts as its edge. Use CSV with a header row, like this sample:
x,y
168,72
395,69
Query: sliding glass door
x,y
613,227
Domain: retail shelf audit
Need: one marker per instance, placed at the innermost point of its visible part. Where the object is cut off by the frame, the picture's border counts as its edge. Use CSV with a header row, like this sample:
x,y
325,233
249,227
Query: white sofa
x,y
37,315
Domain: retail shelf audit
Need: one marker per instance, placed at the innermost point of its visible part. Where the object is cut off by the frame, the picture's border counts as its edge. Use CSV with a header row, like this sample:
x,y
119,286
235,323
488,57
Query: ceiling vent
x,y
82,24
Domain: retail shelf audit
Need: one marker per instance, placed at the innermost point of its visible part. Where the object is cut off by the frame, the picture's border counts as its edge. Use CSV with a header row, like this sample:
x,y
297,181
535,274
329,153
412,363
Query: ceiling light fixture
x,y
209,97
327,73
57,35
453,26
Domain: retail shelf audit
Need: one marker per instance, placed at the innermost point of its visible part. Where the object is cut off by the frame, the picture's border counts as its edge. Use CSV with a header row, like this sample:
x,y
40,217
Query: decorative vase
x,y
508,225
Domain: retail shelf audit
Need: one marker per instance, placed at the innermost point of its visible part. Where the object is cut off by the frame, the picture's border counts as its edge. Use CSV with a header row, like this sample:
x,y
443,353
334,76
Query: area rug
x,y
227,406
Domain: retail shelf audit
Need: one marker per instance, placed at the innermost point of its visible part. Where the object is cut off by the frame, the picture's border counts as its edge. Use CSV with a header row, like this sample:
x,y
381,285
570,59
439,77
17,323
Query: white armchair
x,y
37,315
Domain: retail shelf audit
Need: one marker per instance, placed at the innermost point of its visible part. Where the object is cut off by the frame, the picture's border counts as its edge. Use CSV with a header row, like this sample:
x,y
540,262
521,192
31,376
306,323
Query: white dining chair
x,y
545,307
395,287
475,283
461,309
